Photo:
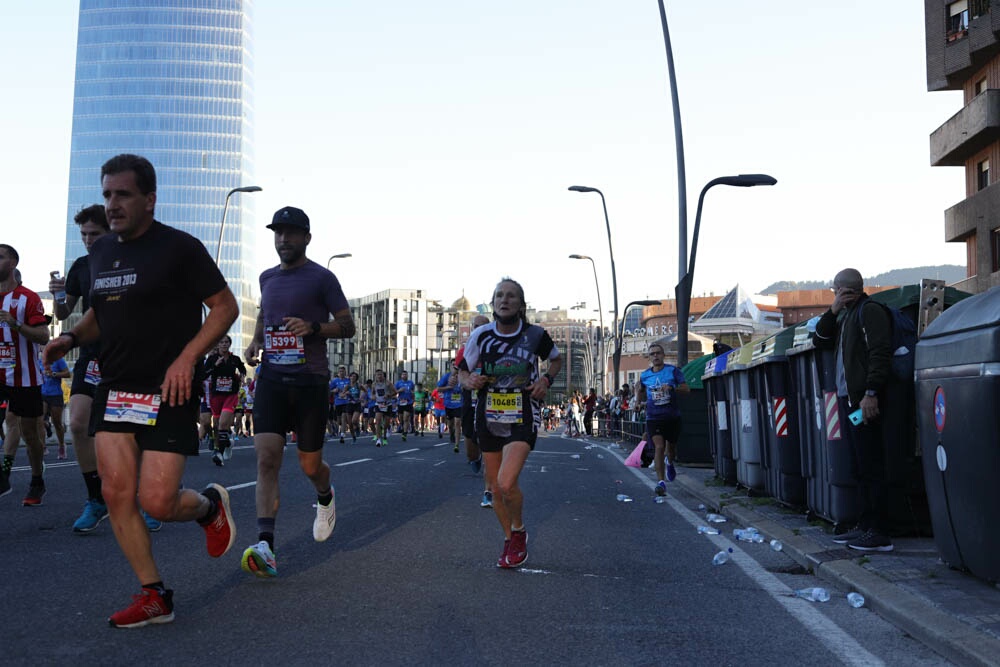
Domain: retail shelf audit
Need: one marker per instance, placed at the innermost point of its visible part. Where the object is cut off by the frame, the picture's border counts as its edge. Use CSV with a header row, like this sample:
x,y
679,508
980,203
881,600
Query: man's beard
x,y
507,321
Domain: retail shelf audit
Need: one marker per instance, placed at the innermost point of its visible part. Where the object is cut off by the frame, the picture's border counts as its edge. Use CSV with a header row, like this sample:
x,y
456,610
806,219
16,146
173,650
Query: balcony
x,y
976,213
968,131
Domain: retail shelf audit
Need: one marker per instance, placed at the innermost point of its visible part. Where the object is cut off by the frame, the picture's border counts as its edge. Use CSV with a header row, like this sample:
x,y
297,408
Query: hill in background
x,y
950,273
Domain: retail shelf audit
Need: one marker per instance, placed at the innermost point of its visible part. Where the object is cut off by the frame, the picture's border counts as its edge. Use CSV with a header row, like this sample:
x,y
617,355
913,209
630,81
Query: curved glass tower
x,y
171,81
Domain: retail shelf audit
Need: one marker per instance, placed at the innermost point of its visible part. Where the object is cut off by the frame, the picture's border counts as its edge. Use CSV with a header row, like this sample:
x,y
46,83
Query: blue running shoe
x,y
94,512
477,465
671,472
152,525
487,499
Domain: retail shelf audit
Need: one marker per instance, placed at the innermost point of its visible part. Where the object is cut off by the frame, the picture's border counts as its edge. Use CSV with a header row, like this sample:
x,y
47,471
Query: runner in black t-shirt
x,y
148,285
225,372
86,372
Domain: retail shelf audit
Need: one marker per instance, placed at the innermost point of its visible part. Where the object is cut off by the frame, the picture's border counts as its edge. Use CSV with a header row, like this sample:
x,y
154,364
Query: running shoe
x,y
477,465
326,519
4,483
404,437
378,442
487,500
62,453
152,525
844,538
661,488
517,555
217,458
671,472
502,560
227,453
34,495
354,439
147,607
341,439
258,559
94,512
220,532
872,540
456,448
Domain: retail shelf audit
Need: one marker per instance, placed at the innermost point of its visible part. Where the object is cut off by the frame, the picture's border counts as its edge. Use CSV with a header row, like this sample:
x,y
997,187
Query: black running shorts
x,y
279,408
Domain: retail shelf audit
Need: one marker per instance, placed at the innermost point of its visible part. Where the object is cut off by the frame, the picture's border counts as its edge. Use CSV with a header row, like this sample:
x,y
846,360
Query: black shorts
x,y
280,408
79,384
469,421
453,413
405,408
54,401
670,429
22,401
176,429
488,442
341,409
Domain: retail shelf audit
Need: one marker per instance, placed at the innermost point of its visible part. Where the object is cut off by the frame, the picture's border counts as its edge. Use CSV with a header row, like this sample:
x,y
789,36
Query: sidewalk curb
x,y
943,633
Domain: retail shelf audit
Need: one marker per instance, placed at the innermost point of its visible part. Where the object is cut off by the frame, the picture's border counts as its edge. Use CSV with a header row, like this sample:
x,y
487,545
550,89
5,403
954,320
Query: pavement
x,y
952,612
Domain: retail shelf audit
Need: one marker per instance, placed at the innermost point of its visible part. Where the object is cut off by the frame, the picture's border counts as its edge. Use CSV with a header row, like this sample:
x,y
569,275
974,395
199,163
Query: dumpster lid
x,y
975,312
740,357
802,340
716,365
773,347
694,369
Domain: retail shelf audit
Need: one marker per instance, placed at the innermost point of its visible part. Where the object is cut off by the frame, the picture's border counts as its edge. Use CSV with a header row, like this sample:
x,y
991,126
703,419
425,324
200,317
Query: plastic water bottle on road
x,y
622,498
722,557
816,594
715,518
776,545
856,600
707,530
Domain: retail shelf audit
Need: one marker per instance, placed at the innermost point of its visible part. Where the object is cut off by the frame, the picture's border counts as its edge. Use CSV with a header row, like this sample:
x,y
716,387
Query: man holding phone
x,y
860,331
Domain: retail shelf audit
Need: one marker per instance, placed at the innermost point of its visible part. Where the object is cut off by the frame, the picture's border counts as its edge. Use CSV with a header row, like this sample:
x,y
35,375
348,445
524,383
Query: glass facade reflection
x,y
172,81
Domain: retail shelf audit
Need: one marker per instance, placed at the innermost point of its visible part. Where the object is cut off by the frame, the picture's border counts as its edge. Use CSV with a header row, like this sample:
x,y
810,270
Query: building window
x,y
958,20
979,7
981,86
982,175
970,255
995,249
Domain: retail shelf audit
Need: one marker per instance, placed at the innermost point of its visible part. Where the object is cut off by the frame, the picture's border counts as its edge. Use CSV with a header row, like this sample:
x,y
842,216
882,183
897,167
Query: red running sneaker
x,y
220,533
147,607
502,561
518,552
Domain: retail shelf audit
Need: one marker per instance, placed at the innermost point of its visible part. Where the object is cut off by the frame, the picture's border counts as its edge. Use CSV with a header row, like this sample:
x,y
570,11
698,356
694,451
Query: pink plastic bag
x,y
634,459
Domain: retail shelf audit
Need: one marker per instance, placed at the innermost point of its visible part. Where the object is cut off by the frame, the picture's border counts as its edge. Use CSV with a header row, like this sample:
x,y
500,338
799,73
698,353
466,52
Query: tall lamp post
x,y
611,251
683,291
342,255
600,313
620,332
225,208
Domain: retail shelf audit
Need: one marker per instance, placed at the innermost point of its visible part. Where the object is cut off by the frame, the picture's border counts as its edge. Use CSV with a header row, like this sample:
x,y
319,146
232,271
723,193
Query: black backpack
x,y
904,341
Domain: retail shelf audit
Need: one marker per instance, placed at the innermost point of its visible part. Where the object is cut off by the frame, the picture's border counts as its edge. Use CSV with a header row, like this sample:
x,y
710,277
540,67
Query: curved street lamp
x,y
611,251
619,334
338,256
684,286
225,208
600,313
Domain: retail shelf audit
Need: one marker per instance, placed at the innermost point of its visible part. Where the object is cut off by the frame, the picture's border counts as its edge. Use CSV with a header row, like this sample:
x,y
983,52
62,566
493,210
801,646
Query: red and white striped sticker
x,y
832,416
780,416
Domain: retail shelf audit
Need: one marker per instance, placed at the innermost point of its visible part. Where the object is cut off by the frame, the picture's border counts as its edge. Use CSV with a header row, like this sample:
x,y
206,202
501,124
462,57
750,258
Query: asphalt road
x,y
409,575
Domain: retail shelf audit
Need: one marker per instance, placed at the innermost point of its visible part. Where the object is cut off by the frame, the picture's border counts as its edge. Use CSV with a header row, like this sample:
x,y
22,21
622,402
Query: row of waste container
x,y
777,427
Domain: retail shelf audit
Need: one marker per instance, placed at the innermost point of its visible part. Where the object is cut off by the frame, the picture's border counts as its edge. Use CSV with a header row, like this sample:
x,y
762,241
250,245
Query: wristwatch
x,y
871,392
549,378
316,327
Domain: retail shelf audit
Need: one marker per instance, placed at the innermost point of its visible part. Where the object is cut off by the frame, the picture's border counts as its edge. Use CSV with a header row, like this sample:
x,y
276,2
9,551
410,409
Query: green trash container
x,y
694,447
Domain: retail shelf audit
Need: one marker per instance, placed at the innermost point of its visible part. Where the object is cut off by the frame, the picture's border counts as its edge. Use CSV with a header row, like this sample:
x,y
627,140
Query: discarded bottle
x,y
622,498
856,600
722,556
776,545
707,530
748,535
660,499
715,518
816,594
575,456
701,506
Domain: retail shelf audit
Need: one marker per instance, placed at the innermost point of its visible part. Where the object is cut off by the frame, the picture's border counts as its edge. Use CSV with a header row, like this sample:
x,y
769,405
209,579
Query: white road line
x,y
241,486
349,463
407,451
828,633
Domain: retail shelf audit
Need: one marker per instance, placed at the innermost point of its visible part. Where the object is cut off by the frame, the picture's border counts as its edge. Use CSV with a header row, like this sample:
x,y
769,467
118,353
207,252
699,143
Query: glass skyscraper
x,y
172,80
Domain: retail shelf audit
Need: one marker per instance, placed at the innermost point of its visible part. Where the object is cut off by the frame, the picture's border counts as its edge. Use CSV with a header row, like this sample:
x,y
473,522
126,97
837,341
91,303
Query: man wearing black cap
x,y
297,298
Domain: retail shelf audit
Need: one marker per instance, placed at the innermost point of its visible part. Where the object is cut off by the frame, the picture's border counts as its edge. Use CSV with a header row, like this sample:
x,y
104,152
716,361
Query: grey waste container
x,y
782,463
694,447
825,439
744,418
719,433
958,417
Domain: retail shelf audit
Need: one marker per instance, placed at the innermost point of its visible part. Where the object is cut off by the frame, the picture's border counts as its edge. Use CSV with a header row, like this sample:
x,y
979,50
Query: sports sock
x,y
93,482
325,499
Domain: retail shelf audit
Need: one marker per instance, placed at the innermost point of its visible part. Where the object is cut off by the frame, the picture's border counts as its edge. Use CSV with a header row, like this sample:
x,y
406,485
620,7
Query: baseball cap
x,y
290,216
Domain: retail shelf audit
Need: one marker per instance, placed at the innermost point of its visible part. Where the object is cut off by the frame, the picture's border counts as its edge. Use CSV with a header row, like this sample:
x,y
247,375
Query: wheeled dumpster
x,y
694,446
719,434
745,419
957,369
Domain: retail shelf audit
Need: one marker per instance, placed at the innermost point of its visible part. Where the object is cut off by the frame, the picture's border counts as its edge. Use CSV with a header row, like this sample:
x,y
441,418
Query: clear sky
x,y
435,141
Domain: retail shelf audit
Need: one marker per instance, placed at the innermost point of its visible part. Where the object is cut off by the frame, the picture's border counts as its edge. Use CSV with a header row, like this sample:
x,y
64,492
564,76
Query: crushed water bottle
x,y
622,498
715,518
707,530
701,506
816,594
856,600
776,545
722,556
661,499
748,535
574,456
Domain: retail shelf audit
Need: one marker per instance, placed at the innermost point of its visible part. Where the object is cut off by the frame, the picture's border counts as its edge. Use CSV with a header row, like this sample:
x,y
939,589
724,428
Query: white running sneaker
x,y
258,559
326,519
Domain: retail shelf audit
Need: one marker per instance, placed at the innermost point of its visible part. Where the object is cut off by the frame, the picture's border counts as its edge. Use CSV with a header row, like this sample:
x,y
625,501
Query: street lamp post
x,y
619,333
683,290
338,256
225,208
600,313
614,277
